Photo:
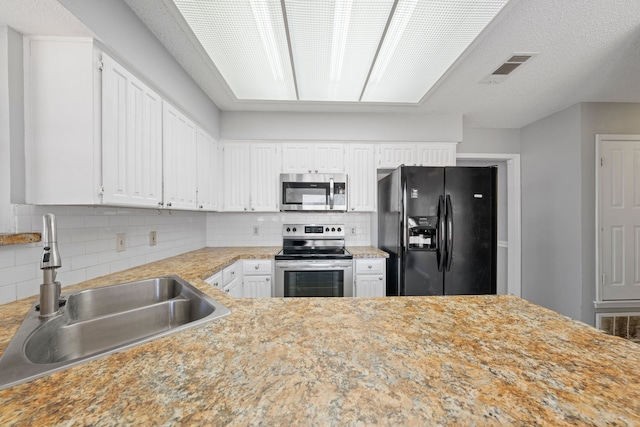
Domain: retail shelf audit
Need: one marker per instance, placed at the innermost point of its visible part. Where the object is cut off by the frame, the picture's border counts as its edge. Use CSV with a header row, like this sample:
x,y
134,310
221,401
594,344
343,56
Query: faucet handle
x,y
50,256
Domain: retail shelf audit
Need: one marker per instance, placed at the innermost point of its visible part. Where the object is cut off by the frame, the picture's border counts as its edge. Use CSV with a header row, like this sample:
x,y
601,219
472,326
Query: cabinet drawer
x,y
256,266
230,273
215,280
370,266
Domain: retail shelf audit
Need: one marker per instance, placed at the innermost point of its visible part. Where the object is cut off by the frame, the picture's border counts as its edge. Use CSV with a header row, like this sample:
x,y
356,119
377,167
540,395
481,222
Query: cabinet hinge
x,y
100,65
602,279
601,161
101,190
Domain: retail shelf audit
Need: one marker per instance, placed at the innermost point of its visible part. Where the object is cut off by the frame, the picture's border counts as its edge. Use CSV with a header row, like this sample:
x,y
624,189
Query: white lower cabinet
x,y
232,280
370,277
257,278
215,280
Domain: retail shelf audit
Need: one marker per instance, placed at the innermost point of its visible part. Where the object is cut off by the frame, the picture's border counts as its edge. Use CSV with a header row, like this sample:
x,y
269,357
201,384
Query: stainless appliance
x,y
313,192
313,262
439,227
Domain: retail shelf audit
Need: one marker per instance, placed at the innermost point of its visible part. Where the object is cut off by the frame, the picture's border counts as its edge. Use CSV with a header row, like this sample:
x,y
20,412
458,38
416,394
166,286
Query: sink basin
x,y
100,321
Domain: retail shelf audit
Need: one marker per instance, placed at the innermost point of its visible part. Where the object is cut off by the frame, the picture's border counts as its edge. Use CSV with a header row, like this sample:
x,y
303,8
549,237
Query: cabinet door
x,y
131,139
215,280
234,288
297,158
237,173
257,287
436,154
370,286
328,158
394,155
179,138
208,179
362,177
264,177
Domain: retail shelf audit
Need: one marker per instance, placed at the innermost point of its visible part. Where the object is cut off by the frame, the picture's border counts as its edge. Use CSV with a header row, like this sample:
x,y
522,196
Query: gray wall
x,y
118,27
479,140
558,204
341,126
552,212
6,209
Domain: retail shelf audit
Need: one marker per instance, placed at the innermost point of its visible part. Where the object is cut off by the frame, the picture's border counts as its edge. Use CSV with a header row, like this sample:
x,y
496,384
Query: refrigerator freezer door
x,y
472,192
420,275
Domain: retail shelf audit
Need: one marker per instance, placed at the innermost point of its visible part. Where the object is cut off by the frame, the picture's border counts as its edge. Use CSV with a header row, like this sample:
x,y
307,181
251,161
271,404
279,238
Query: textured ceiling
x,y
589,50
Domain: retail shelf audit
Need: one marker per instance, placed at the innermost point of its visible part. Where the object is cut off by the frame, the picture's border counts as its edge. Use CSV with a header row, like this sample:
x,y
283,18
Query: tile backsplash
x,y
229,229
87,243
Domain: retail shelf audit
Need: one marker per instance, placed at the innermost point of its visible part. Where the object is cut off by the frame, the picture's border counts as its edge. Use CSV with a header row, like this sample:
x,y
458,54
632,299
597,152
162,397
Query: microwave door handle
x,y
330,193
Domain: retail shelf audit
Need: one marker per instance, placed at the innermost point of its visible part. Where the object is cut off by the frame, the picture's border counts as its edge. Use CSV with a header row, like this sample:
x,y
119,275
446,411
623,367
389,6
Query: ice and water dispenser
x,y
423,232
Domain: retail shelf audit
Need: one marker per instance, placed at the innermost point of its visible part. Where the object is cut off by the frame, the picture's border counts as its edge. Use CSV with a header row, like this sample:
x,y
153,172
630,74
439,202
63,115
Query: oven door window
x,y
321,283
305,194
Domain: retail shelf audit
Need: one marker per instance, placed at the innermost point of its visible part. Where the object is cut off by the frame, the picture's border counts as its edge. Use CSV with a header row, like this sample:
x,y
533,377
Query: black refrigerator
x,y
439,226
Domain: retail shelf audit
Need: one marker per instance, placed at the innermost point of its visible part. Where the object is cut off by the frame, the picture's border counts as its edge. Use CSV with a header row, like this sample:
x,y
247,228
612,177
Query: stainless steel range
x,y
313,262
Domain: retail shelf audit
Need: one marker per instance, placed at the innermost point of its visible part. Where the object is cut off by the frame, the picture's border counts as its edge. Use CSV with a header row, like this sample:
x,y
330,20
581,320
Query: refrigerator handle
x,y
404,235
449,232
441,253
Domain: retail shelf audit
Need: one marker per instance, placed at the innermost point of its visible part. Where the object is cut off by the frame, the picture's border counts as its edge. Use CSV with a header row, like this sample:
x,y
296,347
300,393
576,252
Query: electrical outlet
x,y
121,242
353,231
153,238
256,230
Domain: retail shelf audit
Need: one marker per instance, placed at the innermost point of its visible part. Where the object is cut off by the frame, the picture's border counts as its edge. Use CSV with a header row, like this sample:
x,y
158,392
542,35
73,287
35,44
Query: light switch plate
x,y
121,242
153,238
256,230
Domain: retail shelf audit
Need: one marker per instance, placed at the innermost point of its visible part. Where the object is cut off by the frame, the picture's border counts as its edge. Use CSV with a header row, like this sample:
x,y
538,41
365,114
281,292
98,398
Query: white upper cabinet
x,y
62,121
251,177
306,157
421,154
362,178
179,139
131,139
209,178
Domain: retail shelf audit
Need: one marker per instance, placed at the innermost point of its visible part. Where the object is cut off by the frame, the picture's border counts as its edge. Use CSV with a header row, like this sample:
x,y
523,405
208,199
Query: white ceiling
x,y
589,50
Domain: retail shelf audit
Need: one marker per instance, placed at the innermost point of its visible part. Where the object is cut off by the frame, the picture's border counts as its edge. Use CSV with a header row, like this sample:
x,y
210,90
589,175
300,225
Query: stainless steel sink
x,y
101,321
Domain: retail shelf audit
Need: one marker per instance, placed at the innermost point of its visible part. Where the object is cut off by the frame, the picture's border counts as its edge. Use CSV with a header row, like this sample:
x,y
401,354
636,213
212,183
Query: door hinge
x,y
601,161
602,279
101,190
100,65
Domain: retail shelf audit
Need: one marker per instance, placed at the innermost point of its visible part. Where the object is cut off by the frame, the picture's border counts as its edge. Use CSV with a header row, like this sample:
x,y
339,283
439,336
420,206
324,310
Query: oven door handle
x,y
331,193
296,265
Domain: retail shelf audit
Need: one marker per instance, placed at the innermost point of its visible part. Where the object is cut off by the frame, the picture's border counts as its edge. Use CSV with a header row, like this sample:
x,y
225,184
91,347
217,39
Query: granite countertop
x,y
467,360
19,238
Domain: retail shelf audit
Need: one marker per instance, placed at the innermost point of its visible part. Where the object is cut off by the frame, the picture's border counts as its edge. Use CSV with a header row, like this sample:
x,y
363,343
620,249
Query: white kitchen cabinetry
x,y
362,178
179,140
232,280
257,278
209,181
131,139
370,277
215,280
251,177
62,121
313,158
420,154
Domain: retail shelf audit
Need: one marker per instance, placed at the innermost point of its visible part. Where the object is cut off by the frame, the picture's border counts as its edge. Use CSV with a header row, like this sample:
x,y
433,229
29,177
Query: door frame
x,y
514,230
599,303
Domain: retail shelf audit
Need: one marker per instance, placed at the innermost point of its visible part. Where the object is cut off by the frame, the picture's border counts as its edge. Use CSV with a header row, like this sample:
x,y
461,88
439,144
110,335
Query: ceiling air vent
x,y
508,67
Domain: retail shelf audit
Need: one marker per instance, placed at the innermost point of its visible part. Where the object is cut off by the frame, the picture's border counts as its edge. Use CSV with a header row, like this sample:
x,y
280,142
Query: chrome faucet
x,y
50,261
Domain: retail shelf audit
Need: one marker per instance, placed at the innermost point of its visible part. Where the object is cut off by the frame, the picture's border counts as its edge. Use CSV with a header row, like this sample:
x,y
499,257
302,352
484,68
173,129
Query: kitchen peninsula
x,y
472,360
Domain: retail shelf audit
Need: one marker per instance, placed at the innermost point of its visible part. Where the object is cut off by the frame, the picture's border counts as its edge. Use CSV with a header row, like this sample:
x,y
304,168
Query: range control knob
x,y
294,229
333,229
326,229
339,229
288,229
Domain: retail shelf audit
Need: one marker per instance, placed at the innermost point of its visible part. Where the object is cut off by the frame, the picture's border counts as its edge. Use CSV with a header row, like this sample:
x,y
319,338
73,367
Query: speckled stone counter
x,y
483,360
19,238
367,252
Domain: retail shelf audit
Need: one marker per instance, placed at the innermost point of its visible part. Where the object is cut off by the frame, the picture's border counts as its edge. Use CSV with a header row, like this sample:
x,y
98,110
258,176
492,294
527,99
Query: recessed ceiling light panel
x,y
247,42
333,43
423,40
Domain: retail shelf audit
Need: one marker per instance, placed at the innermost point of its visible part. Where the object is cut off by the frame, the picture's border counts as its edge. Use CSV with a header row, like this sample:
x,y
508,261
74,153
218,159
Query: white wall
x,y
552,212
478,140
233,229
118,27
87,244
6,208
340,126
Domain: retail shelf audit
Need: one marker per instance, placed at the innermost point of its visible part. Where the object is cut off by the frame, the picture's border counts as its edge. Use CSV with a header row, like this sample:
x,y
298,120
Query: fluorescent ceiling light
x,y
388,51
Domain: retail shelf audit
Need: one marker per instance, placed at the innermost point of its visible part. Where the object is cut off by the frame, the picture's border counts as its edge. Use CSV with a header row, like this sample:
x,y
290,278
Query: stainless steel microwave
x,y
313,192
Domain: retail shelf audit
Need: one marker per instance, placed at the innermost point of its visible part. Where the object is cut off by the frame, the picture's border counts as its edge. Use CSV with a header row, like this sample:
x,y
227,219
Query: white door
x,y
328,158
361,172
208,178
394,155
237,173
619,213
257,287
370,286
264,177
132,139
179,138
297,158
